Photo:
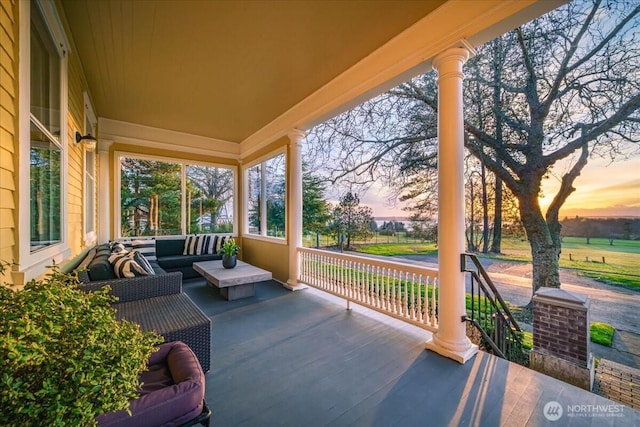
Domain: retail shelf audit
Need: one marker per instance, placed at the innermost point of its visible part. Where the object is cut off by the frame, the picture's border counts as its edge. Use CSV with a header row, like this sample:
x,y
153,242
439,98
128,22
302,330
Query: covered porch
x,y
137,74
300,358
206,115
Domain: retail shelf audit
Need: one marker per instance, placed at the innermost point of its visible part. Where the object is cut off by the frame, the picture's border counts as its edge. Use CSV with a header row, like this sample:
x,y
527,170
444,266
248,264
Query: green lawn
x,y
392,249
617,264
602,333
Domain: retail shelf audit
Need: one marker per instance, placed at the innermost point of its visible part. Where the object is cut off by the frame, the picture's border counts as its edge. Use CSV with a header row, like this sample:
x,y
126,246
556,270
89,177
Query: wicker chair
x,y
157,304
171,394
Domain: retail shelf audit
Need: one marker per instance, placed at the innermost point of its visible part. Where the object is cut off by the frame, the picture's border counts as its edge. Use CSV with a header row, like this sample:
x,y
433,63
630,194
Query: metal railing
x,y
490,314
404,291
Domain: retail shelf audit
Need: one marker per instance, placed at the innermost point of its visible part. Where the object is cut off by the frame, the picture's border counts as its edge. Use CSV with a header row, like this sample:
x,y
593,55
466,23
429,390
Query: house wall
x,y
10,239
8,131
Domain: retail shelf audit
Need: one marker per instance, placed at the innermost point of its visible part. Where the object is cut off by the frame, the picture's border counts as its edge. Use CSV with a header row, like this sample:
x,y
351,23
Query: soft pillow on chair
x,y
172,391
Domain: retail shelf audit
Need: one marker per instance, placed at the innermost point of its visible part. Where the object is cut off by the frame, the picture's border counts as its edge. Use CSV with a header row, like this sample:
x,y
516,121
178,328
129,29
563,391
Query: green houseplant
x,y
65,357
229,251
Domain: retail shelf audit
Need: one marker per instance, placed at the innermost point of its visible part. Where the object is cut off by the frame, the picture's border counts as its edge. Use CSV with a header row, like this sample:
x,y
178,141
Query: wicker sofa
x,y
156,302
167,257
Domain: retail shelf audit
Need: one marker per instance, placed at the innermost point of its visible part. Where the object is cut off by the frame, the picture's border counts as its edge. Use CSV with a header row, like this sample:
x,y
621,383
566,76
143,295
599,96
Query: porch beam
x,y
451,340
294,207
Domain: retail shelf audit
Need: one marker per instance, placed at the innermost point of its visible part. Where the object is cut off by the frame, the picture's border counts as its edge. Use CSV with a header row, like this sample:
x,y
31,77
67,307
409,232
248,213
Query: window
x,y
150,201
89,175
45,149
266,197
210,199
45,206
170,197
254,189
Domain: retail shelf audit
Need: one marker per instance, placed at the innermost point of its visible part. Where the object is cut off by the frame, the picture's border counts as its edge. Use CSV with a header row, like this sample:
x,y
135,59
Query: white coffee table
x,y
234,283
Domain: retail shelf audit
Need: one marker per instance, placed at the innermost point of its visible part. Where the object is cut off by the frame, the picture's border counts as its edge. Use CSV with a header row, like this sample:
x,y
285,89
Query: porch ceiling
x,y
223,69
232,72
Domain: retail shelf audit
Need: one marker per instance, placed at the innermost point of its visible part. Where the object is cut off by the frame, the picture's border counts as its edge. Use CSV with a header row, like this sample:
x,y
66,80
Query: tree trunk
x,y
496,242
544,253
485,212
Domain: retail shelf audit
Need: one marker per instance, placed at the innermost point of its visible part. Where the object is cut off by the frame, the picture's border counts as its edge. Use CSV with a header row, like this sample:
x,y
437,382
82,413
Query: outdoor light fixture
x,y
88,140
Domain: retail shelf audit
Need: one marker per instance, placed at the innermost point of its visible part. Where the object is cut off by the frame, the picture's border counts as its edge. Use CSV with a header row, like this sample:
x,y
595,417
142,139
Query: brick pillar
x,y
561,341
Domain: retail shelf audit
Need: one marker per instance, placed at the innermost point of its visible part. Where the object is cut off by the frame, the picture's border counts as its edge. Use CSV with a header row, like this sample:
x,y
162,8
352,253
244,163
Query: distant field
x,y
617,264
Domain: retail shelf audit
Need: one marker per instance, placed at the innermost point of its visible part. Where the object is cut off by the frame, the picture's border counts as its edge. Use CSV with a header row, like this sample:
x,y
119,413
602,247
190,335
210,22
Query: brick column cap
x,y
561,297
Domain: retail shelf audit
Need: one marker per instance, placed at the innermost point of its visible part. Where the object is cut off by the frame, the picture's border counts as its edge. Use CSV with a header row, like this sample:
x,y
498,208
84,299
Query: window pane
x,y
254,178
45,75
210,199
45,209
150,198
275,195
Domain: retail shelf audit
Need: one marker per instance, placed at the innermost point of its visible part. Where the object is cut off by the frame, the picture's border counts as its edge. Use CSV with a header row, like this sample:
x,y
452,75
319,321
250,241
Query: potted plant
x,y
65,357
229,252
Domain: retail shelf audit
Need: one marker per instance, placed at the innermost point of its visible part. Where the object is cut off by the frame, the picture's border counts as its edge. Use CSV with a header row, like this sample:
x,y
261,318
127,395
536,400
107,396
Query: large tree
x,y
554,92
350,219
315,209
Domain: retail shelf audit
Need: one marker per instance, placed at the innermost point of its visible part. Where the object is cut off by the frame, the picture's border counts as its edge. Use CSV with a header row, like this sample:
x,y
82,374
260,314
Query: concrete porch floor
x,y
301,359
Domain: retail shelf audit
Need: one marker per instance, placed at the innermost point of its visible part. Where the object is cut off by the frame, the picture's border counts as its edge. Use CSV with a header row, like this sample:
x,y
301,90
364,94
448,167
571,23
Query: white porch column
x,y
450,340
294,207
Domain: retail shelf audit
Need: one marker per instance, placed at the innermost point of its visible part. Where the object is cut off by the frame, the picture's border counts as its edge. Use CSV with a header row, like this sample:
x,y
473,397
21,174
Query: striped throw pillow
x,y
143,262
192,245
146,247
209,245
124,266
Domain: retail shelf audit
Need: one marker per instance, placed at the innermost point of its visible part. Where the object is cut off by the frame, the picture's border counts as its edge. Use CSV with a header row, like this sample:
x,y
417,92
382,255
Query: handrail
x,y
490,314
487,282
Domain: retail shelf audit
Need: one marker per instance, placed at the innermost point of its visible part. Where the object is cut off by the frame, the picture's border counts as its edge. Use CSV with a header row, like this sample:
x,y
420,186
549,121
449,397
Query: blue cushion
x,y
169,247
100,268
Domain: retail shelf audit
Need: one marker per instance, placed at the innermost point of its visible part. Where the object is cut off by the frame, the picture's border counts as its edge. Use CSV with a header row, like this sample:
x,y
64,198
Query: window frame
x,y
32,264
118,155
263,200
90,236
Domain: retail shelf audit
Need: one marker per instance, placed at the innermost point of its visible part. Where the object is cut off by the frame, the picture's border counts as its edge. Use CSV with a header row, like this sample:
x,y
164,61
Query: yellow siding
x,y
77,85
8,130
75,176
270,256
9,139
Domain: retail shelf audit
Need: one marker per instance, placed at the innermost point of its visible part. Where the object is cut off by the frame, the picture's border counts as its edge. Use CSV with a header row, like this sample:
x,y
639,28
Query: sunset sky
x,y
603,189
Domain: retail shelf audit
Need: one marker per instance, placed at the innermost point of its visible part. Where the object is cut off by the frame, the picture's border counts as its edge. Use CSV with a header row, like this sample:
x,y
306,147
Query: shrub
x,y
65,358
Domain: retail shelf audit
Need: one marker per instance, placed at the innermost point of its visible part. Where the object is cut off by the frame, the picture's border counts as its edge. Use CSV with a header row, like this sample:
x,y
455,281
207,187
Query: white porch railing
x,y
404,291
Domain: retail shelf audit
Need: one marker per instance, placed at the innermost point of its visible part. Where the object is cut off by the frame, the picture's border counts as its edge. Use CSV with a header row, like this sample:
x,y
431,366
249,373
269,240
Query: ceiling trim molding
x,y
403,57
147,136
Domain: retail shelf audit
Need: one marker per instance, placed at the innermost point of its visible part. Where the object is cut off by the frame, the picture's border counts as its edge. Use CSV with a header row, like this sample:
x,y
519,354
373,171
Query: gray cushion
x,y
177,261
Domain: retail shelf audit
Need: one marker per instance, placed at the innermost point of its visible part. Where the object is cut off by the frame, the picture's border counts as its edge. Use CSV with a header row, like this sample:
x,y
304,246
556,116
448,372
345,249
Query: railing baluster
x,y
399,290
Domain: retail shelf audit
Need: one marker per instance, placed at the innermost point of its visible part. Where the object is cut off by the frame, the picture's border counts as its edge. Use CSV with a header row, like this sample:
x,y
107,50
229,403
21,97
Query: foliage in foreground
x,y
65,356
